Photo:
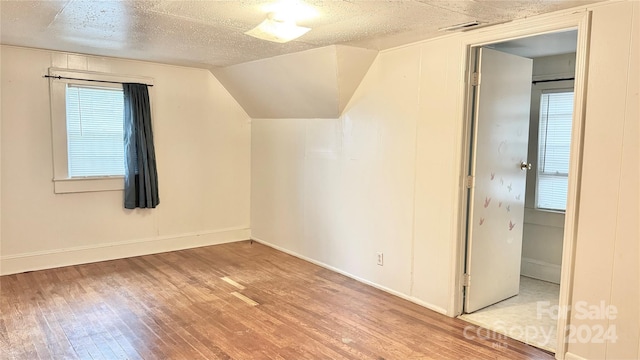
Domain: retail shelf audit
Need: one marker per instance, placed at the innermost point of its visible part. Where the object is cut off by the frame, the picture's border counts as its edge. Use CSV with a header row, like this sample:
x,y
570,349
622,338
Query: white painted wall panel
x,y
323,213
277,186
438,150
347,185
379,174
602,168
625,277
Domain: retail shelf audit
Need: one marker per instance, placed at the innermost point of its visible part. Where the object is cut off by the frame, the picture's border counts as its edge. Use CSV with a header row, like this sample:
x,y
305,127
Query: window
x,y
554,145
87,114
95,131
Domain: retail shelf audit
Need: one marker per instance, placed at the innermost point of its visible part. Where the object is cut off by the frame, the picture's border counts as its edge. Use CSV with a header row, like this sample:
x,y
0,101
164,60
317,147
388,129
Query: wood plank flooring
x,y
178,306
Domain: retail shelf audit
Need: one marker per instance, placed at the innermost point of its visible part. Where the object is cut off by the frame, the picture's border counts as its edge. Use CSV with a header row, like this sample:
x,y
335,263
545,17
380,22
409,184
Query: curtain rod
x,y
101,81
551,80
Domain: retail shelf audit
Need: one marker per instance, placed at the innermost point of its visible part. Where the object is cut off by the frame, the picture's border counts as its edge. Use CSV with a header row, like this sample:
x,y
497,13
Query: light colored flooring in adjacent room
x,y
519,317
234,301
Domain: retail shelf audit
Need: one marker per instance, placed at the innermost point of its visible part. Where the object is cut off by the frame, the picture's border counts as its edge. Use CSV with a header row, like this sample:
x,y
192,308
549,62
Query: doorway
x,y
518,185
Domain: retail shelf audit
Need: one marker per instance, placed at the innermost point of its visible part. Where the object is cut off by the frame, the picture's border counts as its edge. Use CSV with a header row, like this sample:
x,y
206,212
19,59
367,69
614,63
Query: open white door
x,y
496,209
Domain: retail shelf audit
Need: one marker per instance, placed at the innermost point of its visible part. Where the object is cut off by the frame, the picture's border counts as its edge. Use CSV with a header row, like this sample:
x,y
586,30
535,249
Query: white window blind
x,y
95,132
556,114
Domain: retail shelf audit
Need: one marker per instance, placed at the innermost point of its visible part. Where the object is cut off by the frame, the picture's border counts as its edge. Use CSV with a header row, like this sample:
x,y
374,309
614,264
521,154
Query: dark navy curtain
x,y
141,176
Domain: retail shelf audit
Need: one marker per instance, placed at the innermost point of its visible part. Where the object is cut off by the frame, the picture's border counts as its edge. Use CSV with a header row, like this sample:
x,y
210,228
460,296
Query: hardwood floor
x,y
178,306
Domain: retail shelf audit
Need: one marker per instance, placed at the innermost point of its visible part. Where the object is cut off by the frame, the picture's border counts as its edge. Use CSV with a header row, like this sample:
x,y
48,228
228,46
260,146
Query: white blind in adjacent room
x,y
95,132
556,114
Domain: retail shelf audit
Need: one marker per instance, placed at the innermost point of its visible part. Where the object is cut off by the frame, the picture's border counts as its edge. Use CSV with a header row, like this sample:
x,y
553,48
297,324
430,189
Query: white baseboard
x,y
12,264
540,270
359,279
570,356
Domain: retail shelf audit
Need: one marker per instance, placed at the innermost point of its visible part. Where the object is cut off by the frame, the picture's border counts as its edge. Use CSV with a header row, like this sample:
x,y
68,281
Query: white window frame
x,y
537,193
63,183
532,176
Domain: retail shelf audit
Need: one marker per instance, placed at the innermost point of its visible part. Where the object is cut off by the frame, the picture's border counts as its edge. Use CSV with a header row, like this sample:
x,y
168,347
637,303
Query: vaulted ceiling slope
x,y
316,83
210,34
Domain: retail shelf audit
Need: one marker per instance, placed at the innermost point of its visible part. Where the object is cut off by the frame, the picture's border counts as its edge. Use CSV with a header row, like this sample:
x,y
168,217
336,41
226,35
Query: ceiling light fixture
x,y
293,10
277,30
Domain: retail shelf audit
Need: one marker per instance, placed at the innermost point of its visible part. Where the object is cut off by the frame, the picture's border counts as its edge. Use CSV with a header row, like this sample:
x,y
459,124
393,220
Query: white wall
x,y
385,177
338,191
307,84
0,160
543,230
608,251
202,141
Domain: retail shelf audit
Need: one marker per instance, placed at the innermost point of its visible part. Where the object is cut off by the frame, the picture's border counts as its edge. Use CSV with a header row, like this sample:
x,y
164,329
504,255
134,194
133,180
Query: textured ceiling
x,y
211,33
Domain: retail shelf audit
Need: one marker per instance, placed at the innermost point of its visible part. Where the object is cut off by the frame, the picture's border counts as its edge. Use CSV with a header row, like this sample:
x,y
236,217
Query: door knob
x,y
525,166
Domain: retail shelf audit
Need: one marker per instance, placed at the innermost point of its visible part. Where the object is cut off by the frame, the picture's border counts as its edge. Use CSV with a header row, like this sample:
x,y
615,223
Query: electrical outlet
x,y
380,259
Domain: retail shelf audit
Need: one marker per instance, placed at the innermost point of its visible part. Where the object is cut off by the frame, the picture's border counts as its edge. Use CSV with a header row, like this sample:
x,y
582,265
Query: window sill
x,y
544,217
77,185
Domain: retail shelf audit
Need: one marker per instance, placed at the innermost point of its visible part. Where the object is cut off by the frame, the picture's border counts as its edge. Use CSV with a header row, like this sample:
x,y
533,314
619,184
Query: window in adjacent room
x,y
88,133
554,145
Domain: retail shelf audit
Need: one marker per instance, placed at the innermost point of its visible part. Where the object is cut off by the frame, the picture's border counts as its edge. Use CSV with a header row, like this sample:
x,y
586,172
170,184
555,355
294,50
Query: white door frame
x,y
579,20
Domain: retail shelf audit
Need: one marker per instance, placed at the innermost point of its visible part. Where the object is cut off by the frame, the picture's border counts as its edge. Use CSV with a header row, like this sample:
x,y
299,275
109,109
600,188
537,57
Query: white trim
x,y
537,90
359,279
532,176
561,77
571,356
97,76
74,185
57,90
575,174
459,247
1,151
540,270
578,19
39,260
